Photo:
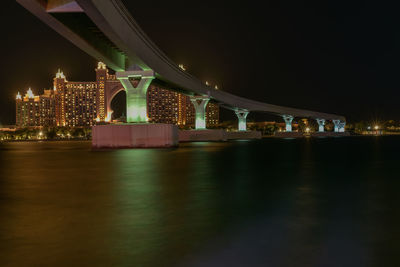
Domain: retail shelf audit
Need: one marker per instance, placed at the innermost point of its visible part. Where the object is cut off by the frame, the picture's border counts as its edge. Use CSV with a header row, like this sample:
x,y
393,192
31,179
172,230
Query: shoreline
x,y
89,140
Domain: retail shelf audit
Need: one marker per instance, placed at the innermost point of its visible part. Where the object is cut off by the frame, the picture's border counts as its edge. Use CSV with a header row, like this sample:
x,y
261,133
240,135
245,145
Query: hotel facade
x,y
83,104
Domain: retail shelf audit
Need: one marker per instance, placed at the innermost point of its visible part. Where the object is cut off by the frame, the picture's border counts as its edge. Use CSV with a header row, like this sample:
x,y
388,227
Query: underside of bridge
x,y
107,31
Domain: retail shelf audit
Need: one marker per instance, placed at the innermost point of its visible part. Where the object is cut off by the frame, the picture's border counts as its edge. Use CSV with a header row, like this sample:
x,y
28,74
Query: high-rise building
x,y
74,104
165,106
47,109
28,109
78,103
212,114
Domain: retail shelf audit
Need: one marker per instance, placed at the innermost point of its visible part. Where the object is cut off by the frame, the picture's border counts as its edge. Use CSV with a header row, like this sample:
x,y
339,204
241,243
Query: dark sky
x,y
331,56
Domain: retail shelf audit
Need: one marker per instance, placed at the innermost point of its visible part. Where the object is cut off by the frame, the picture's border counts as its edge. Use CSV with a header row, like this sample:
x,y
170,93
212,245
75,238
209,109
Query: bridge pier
x,y
288,120
342,126
200,104
136,97
337,125
137,132
242,115
321,123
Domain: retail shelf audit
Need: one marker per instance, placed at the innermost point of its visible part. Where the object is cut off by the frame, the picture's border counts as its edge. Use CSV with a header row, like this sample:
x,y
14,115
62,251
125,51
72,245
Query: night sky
x,y
331,56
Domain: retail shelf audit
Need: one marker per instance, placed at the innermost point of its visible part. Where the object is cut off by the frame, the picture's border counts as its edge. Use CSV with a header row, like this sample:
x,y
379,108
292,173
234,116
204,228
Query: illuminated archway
x,y
118,106
111,93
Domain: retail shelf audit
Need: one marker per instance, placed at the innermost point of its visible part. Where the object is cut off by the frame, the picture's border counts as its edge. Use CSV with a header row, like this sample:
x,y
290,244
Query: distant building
x,y
280,126
87,103
8,128
77,103
47,109
212,114
165,106
28,109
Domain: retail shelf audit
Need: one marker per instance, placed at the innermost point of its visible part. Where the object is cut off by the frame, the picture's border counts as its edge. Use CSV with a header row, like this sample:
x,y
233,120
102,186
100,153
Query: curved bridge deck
x,y
107,31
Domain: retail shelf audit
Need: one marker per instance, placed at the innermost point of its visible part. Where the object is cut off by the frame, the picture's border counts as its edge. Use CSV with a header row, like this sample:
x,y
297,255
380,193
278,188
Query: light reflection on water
x,y
307,202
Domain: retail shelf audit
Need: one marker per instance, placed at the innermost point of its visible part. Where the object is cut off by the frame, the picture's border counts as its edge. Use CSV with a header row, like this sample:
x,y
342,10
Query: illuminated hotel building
x,y
165,106
28,110
82,103
47,109
74,104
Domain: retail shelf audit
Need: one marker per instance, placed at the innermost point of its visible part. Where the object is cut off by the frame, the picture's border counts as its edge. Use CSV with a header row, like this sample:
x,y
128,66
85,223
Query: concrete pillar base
x,y
135,136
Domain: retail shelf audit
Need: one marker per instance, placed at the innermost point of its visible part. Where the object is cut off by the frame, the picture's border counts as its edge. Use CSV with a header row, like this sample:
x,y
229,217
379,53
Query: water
x,y
307,202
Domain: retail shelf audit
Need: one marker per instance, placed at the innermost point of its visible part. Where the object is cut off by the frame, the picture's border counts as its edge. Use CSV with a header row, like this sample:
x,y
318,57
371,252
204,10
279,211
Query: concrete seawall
x,y
135,136
316,134
216,135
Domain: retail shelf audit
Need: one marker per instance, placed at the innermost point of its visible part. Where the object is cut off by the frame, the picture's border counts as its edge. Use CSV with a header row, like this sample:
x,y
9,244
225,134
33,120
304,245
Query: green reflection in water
x,y
166,203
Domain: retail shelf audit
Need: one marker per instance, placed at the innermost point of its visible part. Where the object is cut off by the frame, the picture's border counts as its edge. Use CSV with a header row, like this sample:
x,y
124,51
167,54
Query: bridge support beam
x,y
321,123
242,115
136,96
200,104
342,127
337,124
288,120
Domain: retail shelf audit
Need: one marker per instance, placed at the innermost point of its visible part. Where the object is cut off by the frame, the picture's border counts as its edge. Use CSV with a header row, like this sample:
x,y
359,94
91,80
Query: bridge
x,y
106,30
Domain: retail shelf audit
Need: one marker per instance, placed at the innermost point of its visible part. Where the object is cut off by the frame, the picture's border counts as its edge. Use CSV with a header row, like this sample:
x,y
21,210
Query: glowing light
x,y
242,115
97,119
376,127
136,100
307,130
137,110
30,94
19,97
109,116
216,87
207,83
60,75
101,66
182,67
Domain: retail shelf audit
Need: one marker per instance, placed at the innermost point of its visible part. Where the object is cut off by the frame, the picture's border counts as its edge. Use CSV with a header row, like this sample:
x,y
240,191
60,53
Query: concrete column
x,y
136,97
242,115
337,125
321,123
288,120
200,104
342,127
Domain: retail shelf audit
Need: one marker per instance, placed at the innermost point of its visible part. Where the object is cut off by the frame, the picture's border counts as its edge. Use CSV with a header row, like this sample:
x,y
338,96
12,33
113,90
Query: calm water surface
x,y
309,202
